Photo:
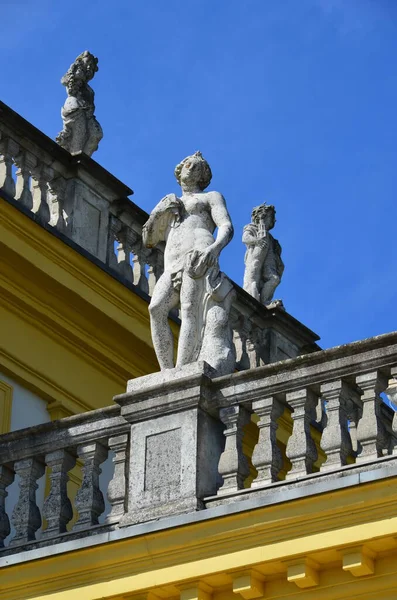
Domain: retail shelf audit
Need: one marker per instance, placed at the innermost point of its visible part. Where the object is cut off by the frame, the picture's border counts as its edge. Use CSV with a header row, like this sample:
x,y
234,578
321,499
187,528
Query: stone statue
x,y
81,131
191,278
263,264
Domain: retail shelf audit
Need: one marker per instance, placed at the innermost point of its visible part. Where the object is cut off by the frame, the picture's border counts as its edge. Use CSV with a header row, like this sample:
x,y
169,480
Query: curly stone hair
x,y
68,80
262,210
206,174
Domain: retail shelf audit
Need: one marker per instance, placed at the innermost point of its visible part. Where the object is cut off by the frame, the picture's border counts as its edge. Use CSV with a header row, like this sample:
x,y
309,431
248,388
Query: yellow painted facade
x,y
74,335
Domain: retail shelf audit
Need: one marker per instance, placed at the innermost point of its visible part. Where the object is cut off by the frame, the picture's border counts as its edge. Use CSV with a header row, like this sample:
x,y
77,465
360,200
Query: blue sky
x,y
292,102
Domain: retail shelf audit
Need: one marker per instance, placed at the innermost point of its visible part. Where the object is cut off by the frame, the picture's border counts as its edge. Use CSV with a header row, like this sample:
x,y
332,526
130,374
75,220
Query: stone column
x,y
371,430
301,449
233,464
57,509
26,514
267,457
6,479
336,441
117,486
89,498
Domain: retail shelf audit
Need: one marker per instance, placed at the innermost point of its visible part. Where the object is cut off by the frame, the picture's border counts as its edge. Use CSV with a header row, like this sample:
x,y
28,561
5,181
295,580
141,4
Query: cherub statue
x,y
263,264
81,131
191,277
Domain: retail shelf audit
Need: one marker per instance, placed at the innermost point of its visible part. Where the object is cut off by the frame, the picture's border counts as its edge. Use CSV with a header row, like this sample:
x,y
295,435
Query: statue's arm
x,y
222,220
249,236
157,226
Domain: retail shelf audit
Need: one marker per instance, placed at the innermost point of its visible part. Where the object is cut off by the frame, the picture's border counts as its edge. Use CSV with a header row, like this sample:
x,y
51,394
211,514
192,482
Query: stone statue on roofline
x,y
81,131
263,264
192,278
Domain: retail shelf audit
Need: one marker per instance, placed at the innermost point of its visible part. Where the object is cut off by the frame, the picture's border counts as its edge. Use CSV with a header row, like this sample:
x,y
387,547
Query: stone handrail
x,y
192,440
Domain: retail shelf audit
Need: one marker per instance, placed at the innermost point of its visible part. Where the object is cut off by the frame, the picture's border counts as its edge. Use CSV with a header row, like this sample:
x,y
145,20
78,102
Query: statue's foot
x,y
275,304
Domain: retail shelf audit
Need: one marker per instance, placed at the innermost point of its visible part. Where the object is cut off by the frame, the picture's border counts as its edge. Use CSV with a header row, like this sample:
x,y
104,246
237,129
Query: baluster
x,y
57,507
117,487
25,161
267,457
155,270
41,175
8,149
126,237
6,479
139,261
114,229
89,498
301,449
26,514
233,464
56,203
336,441
371,430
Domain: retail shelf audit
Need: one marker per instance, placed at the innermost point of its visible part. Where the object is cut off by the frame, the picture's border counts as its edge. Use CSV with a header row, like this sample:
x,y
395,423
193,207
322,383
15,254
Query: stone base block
x,y
176,442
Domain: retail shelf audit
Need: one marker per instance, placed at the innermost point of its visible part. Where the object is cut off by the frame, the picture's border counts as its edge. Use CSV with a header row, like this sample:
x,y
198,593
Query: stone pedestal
x,y
176,442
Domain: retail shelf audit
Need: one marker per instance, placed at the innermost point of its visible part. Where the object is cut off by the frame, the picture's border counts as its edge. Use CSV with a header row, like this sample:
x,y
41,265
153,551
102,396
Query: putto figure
x,y
81,131
263,264
191,277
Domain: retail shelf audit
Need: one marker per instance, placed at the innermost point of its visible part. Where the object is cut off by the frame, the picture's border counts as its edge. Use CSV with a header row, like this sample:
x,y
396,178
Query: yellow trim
x,y
5,406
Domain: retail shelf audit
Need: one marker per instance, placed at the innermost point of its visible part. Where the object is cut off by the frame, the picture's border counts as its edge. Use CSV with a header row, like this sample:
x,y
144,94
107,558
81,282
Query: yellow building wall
x,y
70,332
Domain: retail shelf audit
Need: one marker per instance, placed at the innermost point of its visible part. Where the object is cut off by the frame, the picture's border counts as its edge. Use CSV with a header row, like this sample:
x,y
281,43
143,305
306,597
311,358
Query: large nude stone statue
x,y
263,264
81,131
191,277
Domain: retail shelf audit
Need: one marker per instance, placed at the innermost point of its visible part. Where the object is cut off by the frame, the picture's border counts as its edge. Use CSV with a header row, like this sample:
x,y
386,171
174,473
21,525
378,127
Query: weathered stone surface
x,y
267,457
57,508
6,479
89,498
372,428
263,264
301,449
233,464
176,443
341,401
191,277
81,131
117,487
26,514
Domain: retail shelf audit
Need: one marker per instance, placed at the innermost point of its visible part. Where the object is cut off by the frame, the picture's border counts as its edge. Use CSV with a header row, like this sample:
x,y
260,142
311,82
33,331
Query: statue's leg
x,y
269,287
192,298
164,298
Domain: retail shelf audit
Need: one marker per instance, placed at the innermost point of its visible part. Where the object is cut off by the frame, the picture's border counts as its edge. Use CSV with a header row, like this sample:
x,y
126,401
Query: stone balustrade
x,y
54,448
76,199
186,440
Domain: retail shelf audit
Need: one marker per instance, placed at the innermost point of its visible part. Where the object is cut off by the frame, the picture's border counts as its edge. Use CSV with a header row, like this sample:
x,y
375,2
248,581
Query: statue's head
x,y
264,213
81,71
194,171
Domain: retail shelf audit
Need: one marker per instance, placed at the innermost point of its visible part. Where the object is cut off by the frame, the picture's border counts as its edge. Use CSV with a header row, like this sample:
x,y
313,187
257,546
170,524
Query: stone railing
x,y
185,440
54,448
82,203
77,199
